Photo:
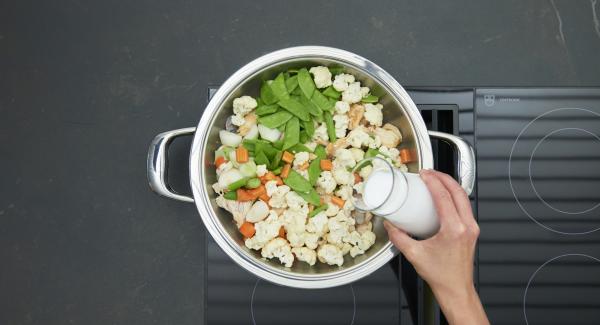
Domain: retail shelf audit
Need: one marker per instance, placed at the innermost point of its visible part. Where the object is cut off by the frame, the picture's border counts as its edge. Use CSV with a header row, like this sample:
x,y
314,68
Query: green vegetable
x,y
370,99
321,101
274,120
299,148
306,82
320,151
276,160
292,71
253,183
266,109
309,127
313,109
318,118
317,210
296,92
371,153
336,70
292,133
278,144
237,184
267,95
294,107
261,159
231,195
267,149
277,171
248,169
278,87
330,127
311,197
314,170
291,83
304,137
331,92
297,182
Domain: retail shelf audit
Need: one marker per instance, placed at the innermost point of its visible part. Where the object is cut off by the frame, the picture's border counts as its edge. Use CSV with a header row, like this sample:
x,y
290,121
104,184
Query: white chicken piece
x,y
344,158
318,224
342,80
374,114
280,249
326,182
321,76
352,94
330,254
341,125
265,231
341,107
300,158
237,209
305,255
244,105
261,170
320,134
258,212
355,114
390,135
278,198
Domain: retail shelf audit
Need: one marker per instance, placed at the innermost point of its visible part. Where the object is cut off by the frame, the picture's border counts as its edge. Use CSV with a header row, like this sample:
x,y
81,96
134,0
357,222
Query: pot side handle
x,y
466,159
157,163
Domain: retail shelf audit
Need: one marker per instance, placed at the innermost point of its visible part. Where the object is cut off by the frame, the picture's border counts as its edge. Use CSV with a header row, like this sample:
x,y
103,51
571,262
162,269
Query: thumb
x,y
400,239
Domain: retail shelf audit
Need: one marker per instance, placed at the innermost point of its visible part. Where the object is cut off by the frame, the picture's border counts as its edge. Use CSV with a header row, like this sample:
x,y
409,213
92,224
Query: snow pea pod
x,y
321,152
331,92
306,82
313,109
291,83
309,127
266,109
237,184
294,107
330,127
278,87
317,210
297,182
311,197
266,94
314,171
321,101
370,99
292,133
274,120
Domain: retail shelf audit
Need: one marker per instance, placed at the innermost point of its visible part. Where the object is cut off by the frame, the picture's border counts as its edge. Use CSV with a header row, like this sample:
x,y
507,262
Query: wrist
x,y
461,304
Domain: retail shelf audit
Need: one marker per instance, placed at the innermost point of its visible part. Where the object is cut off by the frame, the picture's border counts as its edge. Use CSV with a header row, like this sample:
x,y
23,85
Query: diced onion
x,y
248,169
230,176
252,133
229,138
268,134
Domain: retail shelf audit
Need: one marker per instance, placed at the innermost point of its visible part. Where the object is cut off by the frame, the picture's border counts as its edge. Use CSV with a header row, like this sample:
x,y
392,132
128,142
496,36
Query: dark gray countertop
x,y
85,85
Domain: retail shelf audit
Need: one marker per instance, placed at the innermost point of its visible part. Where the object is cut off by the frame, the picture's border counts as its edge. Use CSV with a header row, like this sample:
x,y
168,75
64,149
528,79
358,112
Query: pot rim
x,y
197,154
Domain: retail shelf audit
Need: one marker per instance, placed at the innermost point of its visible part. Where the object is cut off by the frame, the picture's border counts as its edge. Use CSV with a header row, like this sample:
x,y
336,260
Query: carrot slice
x,y
282,232
407,156
244,195
265,198
247,229
285,171
337,201
257,192
326,164
241,154
279,181
357,178
269,176
287,157
219,161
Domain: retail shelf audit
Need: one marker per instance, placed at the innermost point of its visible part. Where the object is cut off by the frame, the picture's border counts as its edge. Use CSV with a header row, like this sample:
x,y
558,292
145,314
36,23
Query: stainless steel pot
x,y
399,110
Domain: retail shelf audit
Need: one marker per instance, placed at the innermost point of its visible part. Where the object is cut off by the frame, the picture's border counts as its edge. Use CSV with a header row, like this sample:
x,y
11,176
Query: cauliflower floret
x,y
217,188
341,107
359,187
317,224
365,171
265,231
224,167
332,209
344,192
357,154
403,168
320,133
278,198
364,242
311,240
348,207
341,125
358,138
305,255
326,182
295,201
322,76
341,81
342,176
261,170
311,145
237,209
244,105
375,142
294,223
392,153
330,254
364,91
300,158
344,158
237,120
352,94
374,114
280,249
338,228
271,187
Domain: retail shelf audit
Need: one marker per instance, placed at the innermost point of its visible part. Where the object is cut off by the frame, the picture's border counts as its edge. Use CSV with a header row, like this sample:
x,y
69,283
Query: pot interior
x,y
393,113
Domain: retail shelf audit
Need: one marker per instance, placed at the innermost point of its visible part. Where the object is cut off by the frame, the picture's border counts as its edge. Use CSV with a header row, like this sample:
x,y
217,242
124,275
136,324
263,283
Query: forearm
x,y
462,306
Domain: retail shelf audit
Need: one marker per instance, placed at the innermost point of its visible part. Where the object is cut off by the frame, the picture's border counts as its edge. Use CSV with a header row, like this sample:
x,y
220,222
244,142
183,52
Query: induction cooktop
x,y
537,202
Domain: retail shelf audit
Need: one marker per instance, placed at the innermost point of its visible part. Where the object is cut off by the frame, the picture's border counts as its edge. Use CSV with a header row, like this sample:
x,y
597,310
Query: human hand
x,y
445,260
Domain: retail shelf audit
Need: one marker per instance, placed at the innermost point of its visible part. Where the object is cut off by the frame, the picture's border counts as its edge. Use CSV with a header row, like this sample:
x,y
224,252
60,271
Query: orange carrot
x,y
219,161
241,154
285,171
265,198
337,201
287,157
326,164
257,192
279,181
247,229
244,195
269,176
407,156
282,232
357,178
304,166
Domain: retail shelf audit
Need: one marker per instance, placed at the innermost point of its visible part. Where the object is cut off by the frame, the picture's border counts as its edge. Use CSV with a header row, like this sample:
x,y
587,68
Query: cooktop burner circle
x,y
551,297
301,306
530,198
581,211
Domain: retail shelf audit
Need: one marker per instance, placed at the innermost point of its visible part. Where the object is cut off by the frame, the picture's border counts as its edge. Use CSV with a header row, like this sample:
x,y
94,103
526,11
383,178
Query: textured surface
x,y
85,85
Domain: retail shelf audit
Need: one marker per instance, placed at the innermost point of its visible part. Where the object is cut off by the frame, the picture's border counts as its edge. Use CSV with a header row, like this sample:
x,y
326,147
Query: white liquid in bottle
x,y
409,206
